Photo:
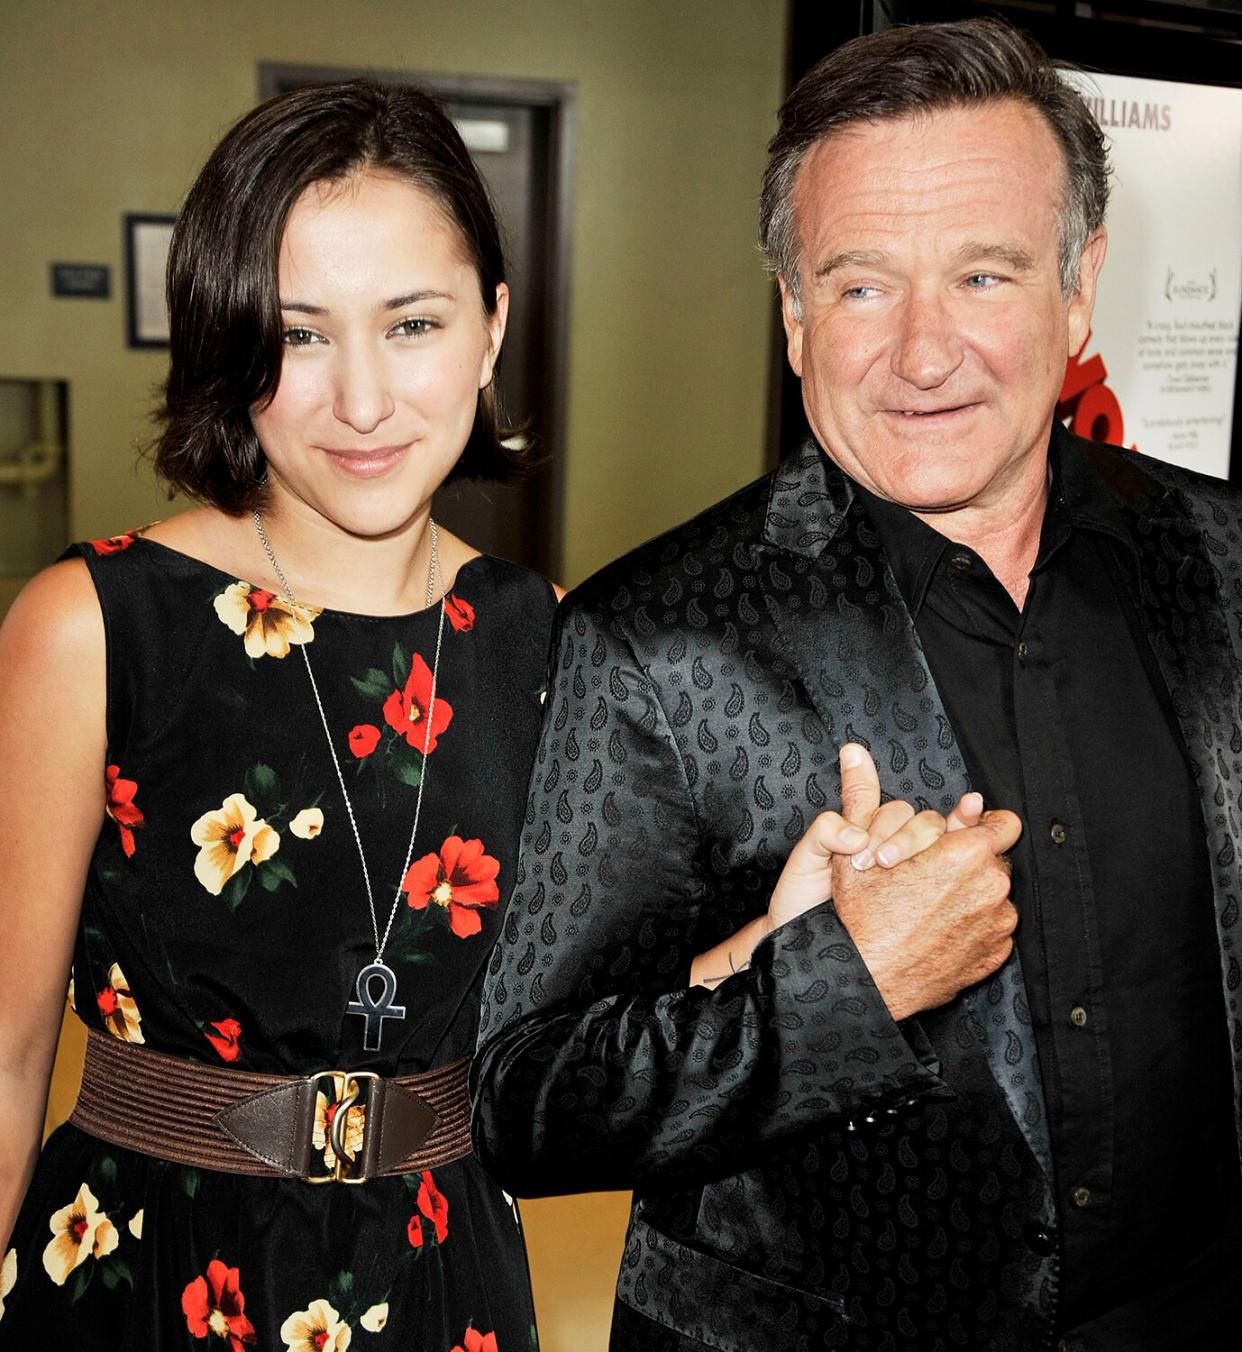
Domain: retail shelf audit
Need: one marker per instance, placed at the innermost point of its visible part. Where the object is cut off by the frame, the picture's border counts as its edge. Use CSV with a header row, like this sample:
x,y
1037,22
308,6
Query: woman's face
x,y
387,345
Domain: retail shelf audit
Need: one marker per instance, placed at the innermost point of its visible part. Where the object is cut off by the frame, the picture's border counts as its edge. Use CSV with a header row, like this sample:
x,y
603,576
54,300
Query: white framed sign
x,y
1158,372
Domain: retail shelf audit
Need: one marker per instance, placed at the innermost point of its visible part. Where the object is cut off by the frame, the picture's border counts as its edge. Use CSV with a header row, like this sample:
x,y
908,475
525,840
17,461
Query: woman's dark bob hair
x,y
223,298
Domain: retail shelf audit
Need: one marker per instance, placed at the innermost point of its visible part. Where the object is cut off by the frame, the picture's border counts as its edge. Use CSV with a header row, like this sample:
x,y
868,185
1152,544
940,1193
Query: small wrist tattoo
x,y
724,976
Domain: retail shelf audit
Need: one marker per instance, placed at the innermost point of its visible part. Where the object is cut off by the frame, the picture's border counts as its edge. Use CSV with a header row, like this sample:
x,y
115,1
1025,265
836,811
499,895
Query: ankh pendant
x,y
375,1011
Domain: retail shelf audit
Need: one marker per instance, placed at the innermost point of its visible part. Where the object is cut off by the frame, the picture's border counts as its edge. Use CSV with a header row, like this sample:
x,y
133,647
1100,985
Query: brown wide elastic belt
x,y
272,1126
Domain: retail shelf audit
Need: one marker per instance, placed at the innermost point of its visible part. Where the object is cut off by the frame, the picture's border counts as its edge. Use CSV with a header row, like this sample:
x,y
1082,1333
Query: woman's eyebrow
x,y
413,298
303,307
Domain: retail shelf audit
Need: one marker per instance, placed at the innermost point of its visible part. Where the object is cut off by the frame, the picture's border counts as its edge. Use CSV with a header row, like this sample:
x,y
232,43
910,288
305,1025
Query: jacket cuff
x,y
814,958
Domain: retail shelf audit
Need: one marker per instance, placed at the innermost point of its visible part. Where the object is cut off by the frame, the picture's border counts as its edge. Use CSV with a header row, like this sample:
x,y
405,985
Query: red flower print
x,y
364,739
434,1205
225,1038
114,543
414,1231
121,808
406,710
477,1342
461,878
215,1304
460,613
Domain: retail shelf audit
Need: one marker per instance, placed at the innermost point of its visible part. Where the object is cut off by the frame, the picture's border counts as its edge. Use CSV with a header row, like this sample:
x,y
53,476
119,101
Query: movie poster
x,y
1157,373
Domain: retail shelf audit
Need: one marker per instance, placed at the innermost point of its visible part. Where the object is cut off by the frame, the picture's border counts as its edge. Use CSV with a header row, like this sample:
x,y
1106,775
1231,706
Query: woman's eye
x,y
296,337
413,328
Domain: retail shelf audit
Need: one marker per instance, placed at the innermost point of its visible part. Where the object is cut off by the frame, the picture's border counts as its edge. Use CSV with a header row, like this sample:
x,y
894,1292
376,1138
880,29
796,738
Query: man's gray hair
x,y
905,72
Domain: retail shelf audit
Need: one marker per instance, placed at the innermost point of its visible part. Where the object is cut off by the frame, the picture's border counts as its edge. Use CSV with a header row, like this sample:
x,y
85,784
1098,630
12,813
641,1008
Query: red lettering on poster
x,y
1087,404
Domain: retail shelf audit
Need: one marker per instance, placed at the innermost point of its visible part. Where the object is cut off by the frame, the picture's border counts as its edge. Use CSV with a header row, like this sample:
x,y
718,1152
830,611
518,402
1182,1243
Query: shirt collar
x,y
1077,499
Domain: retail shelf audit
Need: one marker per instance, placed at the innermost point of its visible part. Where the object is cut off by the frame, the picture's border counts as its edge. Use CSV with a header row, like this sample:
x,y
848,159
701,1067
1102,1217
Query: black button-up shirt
x,y
1062,716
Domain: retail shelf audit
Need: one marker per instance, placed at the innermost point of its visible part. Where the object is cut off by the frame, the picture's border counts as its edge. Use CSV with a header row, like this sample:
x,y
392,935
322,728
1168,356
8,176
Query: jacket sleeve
x,y
598,1067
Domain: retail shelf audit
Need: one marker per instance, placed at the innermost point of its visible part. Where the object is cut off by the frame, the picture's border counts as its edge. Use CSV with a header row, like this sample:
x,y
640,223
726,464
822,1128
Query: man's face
x,y
934,333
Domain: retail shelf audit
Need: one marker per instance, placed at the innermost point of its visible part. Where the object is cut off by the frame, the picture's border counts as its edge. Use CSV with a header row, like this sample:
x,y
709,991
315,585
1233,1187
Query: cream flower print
x,y
8,1279
135,1224
319,1329
268,622
79,1231
231,837
375,1318
321,1135
117,1008
307,824
265,843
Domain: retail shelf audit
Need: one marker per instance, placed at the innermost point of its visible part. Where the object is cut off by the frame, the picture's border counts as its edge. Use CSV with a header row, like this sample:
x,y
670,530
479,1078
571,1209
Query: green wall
x,y
110,107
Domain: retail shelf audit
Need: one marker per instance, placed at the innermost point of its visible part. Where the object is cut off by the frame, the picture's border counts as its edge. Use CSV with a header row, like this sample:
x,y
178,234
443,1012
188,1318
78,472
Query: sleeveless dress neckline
x,y
323,610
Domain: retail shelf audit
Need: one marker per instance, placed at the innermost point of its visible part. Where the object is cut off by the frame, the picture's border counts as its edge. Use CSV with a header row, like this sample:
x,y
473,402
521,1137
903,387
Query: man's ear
x,y
791,315
1082,302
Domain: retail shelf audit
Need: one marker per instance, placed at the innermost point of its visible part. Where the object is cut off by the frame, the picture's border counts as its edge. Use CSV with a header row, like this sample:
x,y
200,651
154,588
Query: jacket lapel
x,y
843,623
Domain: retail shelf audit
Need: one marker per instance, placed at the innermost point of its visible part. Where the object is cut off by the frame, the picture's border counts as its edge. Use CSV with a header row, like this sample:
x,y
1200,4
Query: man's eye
x,y
859,292
981,281
296,337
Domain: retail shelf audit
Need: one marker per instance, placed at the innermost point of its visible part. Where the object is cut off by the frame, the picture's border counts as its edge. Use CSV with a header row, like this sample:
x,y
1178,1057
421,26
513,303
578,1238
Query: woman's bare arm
x,y
52,747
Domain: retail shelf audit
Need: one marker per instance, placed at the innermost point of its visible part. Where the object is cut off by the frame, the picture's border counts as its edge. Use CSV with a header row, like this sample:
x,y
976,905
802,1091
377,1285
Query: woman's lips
x,y
367,464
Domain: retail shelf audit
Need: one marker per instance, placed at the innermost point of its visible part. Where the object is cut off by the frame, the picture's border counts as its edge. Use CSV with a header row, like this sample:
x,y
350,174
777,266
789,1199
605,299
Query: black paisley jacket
x,y
806,1172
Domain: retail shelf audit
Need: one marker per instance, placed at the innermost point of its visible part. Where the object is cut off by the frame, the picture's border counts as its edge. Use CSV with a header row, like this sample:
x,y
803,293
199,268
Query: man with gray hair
x,y
869,1092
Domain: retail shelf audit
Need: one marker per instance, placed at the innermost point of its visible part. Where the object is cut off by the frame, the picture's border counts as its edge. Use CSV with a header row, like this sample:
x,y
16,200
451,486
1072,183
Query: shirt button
x,y
1080,1196
1078,1016
1059,833
1022,651
961,561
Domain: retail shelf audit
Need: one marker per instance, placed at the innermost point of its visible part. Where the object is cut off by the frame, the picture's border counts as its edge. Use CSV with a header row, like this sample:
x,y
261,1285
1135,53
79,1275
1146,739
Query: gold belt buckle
x,y
347,1089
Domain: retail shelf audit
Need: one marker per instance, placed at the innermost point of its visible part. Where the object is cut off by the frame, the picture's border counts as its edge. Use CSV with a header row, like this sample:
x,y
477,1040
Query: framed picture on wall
x,y
147,238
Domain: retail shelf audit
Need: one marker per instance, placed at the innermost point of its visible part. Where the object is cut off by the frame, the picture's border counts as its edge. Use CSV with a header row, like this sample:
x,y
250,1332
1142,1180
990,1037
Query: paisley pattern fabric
x,y
225,921
807,1173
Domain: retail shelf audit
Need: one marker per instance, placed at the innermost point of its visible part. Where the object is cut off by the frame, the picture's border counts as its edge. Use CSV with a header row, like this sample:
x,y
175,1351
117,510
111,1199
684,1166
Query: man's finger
x,y
967,812
1003,829
860,785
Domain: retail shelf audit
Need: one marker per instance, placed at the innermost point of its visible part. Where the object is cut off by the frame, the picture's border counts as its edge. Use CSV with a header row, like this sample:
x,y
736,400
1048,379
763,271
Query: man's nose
x,y
928,348
362,396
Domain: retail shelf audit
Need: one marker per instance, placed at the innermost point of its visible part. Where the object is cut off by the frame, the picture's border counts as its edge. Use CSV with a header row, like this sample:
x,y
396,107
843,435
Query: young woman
x,y
267,764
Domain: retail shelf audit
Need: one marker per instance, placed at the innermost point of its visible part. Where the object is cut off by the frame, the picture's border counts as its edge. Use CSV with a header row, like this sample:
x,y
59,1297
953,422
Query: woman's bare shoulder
x,y
203,533
56,612
53,659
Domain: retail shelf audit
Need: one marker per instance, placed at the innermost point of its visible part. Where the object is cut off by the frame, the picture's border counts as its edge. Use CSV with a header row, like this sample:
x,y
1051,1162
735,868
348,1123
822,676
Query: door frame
x,y
557,99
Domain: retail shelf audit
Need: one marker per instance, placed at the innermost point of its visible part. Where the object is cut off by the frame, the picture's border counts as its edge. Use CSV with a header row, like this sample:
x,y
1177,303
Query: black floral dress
x,y
225,920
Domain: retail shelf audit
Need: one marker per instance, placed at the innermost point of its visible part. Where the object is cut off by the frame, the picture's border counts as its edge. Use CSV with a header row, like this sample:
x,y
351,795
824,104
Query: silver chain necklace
x,y
365,1004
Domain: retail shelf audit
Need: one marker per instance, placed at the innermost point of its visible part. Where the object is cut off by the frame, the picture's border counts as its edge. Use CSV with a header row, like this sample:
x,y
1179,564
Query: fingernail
x,y
851,756
852,837
862,861
976,801
886,855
